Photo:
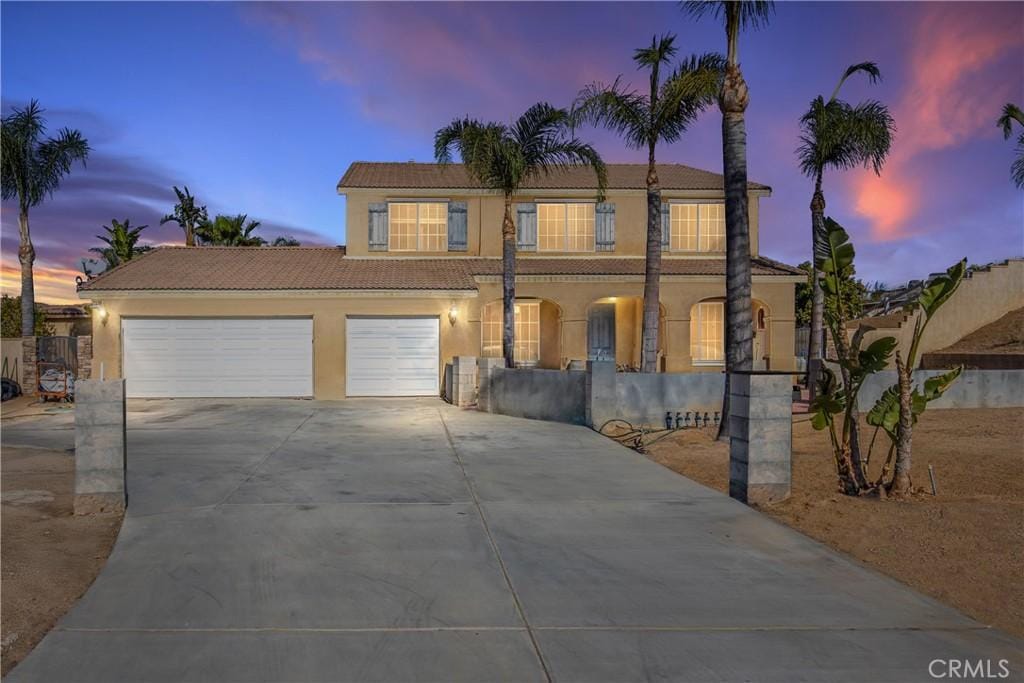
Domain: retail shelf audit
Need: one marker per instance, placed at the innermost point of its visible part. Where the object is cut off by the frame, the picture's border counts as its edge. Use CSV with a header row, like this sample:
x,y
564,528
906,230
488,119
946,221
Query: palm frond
x,y
870,68
1011,113
752,13
837,135
660,51
33,168
616,108
690,89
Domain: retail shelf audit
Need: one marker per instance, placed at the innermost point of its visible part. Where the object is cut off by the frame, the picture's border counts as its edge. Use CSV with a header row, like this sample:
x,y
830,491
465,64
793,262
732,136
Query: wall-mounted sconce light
x,y
102,313
453,313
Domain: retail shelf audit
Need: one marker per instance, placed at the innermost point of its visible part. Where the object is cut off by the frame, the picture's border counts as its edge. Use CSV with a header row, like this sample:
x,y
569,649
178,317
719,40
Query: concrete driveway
x,y
386,540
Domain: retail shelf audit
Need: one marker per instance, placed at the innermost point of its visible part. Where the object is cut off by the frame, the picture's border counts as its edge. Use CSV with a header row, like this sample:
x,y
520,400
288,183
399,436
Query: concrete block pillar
x,y
486,367
83,347
100,450
760,437
463,380
29,369
600,398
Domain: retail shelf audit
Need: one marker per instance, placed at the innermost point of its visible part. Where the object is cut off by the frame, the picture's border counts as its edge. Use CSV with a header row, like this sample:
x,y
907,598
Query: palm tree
x,y
503,158
644,120
31,169
121,240
732,101
837,135
187,215
1011,113
229,231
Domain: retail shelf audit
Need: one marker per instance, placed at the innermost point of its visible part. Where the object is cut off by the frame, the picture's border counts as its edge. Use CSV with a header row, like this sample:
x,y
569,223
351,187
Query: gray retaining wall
x,y
538,394
974,389
645,397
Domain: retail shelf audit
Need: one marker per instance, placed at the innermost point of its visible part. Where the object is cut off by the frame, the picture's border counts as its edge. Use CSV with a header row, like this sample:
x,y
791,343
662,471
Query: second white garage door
x,y
217,357
392,356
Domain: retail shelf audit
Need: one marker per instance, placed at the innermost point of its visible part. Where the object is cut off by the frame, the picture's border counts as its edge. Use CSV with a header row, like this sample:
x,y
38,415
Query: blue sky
x,y
259,108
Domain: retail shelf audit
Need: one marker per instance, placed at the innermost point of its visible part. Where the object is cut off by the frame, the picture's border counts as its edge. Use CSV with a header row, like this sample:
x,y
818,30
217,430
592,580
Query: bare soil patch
x,y
48,556
964,546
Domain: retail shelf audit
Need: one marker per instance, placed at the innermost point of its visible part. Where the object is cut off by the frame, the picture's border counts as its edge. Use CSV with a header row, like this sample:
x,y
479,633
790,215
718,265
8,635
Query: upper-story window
x,y
565,226
697,227
417,226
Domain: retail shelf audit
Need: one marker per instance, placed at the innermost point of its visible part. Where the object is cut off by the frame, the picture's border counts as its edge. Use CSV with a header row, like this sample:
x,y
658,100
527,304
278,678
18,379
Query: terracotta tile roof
x,y
296,268
412,175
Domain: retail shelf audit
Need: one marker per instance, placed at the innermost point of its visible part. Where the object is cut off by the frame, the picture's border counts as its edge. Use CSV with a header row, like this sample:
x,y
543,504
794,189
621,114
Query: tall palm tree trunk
x,y
814,350
508,284
652,273
739,329
27,256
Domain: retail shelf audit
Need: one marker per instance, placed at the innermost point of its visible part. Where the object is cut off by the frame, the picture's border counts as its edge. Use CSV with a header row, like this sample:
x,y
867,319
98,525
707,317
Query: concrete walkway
x,y
412,541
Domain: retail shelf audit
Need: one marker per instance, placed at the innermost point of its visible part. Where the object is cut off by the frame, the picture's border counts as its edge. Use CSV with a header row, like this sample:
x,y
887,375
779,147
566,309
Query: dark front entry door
x,y
601,332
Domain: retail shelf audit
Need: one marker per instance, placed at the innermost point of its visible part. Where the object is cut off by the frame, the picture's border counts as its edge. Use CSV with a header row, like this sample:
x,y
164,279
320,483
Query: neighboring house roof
x,y
59,311
298,268
413,175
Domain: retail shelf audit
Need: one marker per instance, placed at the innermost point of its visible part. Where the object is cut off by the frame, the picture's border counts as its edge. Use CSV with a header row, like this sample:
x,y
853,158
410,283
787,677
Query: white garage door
x,y
392,356
217,357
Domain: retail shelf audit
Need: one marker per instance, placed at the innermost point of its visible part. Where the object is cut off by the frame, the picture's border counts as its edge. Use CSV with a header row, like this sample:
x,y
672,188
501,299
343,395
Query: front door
x,y
601,332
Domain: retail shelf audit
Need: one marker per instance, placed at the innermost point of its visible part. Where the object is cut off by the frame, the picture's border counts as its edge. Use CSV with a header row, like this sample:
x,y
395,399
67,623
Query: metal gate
x,y
58,350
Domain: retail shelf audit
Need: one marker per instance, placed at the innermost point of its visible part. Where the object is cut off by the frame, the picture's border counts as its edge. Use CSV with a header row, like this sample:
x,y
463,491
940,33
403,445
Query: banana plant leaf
x,y
886,411
872,359
836,257
940,288
829,401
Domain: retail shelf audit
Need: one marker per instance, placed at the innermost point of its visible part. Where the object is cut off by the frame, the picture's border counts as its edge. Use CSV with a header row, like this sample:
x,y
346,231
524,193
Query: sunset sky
x,y
259,108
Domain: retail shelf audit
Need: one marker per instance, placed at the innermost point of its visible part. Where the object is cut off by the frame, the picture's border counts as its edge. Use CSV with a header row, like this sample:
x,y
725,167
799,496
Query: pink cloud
x,y
955,89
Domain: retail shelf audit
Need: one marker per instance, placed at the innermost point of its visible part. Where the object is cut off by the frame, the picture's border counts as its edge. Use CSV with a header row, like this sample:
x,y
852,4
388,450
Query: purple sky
x,y
259,108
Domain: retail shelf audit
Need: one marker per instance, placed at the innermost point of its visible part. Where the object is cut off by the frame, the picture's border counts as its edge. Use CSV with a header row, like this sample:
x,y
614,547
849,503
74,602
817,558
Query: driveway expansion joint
x,y
494,548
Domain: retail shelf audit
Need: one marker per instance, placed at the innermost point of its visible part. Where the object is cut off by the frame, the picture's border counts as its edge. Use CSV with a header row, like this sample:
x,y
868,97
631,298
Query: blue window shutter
x,y
604,228
666,226
457,226
526,227
378,227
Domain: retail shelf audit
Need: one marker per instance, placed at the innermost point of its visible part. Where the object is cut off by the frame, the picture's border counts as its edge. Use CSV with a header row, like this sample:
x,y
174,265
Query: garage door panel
x,y
218,357
392,356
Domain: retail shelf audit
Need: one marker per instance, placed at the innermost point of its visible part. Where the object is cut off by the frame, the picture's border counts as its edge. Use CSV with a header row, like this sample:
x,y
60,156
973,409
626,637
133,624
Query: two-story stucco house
x,y
419,282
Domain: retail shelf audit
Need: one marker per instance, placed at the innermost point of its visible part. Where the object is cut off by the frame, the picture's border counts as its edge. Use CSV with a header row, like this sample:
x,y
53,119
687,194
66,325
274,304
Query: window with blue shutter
x,y
666,226
526,227
457,226
378,237
604,226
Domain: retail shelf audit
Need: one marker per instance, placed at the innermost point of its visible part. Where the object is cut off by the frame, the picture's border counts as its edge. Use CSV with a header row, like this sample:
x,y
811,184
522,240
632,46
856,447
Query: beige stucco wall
x,y
981,299
12,352
485,212
328,313
563,323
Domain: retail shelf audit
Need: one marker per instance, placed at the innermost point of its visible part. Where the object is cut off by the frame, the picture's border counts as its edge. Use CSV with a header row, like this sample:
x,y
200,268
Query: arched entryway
x,y
707,333
615,328
538,333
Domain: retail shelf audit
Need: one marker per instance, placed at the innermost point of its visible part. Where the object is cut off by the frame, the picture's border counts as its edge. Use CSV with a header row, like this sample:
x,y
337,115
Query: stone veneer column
x,y
463,381
29,369
83,347
485,371
100,446
760,437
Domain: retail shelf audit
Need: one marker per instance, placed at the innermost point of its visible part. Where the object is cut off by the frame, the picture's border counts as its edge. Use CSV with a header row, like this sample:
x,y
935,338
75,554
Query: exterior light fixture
x,y
453,313
103,313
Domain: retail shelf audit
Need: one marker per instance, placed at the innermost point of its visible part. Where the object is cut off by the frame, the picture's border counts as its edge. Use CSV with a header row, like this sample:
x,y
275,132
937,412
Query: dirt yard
x,y
48,557
964,546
